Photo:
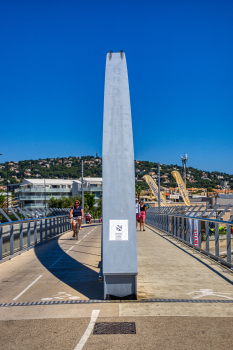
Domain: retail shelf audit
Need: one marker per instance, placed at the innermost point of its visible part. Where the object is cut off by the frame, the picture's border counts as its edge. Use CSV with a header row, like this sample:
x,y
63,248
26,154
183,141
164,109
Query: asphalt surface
x,y
66,269
163,333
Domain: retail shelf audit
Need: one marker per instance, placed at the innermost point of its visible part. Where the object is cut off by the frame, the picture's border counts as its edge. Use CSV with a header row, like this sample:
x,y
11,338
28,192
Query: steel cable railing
x,y
23,228
196,227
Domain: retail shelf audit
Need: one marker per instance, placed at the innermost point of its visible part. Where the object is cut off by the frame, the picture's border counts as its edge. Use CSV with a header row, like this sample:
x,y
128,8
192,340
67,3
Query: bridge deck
x,y
69,270
169,269
66,269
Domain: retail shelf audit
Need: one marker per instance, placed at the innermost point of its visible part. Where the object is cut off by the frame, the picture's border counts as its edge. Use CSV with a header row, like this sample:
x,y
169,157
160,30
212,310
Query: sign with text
x,y
118,230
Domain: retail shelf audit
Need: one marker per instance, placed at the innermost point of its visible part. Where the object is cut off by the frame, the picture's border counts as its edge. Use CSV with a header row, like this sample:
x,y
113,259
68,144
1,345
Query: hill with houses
x,y
70,168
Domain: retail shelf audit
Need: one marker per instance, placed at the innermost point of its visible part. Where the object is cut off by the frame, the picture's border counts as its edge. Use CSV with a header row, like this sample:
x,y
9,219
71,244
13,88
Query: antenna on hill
x,y
184,160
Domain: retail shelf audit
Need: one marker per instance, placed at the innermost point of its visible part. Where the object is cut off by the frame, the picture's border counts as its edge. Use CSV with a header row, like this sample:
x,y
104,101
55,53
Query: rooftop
x,y
47,181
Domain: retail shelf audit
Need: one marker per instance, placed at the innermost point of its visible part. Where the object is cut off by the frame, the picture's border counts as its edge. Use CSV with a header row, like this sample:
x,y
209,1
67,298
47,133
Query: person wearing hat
x,y
137,207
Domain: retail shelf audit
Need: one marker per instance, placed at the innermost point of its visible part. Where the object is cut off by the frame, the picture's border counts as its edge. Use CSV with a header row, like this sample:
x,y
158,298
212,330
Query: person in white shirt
x,y
137,207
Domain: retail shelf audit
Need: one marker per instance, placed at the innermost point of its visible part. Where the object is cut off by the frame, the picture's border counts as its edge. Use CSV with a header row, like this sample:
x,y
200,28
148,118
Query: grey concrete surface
x,y
170,269
167,269
169,333
73,276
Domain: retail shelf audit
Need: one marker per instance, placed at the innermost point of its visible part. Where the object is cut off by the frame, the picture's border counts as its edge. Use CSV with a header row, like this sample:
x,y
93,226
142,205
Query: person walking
x,y
78,215
143,215
137,207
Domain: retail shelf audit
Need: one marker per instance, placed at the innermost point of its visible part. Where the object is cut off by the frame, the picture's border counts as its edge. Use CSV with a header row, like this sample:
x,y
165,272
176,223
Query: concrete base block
x,y
120,286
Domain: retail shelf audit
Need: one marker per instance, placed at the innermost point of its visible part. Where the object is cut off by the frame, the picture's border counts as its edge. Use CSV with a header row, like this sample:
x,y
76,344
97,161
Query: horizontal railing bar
x,y
195,218
224,262
34,219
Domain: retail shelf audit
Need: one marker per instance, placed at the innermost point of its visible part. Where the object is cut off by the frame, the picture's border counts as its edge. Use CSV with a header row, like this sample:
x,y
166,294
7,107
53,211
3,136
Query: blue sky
x,y
179,56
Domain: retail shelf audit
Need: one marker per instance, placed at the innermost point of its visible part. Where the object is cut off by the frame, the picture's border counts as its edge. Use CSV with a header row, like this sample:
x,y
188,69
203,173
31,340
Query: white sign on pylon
x,y
118,230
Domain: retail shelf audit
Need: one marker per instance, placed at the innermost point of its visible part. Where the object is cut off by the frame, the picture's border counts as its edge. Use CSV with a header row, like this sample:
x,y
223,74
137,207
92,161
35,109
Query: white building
x,y
35,192
90,184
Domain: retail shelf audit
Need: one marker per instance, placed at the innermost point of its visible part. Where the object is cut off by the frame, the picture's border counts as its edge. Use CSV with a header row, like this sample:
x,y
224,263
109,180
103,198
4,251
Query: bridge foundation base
x,y
120,286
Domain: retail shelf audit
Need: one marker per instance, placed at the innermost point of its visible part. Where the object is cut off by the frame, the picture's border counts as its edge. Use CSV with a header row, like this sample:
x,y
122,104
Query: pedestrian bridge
x,y
57,280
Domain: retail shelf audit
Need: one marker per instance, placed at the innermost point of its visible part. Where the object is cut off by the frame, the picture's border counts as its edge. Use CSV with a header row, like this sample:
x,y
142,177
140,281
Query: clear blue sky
x,y
180,65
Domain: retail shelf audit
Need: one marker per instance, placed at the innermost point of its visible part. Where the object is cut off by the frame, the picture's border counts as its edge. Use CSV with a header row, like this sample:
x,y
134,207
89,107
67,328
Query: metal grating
x,y
94,301
114,328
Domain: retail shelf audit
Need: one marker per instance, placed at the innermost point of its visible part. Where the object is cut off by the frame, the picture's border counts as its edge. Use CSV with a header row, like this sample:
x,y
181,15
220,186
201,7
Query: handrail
x,y
33,219
193,229
200,218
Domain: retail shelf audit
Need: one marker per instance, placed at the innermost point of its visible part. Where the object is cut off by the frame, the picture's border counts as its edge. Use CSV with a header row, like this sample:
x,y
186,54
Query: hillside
x,y
70,167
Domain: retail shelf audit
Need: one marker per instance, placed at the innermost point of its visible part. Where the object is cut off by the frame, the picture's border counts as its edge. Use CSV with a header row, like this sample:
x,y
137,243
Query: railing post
x,y
216,240
45,228
29,234
174,227
21,236
182,228
54,227
50,228
187,230
1,243
229,244
192,232
11,239
35,232
41,233
199,233
207,236
178,226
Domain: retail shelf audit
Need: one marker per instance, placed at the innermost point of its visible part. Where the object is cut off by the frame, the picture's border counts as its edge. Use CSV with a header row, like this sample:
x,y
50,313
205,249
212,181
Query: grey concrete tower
x,y
119,243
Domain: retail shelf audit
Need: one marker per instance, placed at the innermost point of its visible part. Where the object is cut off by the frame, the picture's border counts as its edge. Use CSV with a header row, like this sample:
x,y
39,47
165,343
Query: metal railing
x,y
41,189
196,227
24,228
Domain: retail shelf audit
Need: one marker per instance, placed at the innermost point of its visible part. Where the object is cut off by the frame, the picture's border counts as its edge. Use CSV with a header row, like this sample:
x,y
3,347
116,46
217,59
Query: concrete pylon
x,y
119,241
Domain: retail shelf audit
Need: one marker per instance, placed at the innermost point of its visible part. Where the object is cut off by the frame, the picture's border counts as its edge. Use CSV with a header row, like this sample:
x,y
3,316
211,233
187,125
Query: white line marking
x,y
55,262
27,288
70,249
88,331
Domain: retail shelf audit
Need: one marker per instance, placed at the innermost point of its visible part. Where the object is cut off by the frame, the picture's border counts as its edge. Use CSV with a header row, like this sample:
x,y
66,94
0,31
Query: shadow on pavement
x,y
68,270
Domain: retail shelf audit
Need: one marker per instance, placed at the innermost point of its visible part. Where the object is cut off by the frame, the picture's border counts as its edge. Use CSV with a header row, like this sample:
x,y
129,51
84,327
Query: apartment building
x,y
90,184
36,192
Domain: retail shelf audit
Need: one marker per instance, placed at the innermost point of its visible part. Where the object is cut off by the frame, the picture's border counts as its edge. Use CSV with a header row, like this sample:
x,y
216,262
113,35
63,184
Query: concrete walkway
x,y
169,269
63,268
69,271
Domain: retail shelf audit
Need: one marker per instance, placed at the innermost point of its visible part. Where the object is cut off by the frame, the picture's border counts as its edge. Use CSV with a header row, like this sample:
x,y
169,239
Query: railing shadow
x,y
68,270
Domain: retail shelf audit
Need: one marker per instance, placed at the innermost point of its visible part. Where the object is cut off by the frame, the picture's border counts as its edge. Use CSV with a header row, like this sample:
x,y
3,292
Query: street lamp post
x,y
159,185
44,194
82,185
7,185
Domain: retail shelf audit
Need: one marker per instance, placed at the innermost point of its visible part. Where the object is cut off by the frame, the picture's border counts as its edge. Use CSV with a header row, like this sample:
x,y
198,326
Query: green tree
x,y
63,202
138,190
89,201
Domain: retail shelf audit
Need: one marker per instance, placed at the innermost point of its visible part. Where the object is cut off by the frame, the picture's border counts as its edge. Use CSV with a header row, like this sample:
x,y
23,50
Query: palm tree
x,y
3,201
138,191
